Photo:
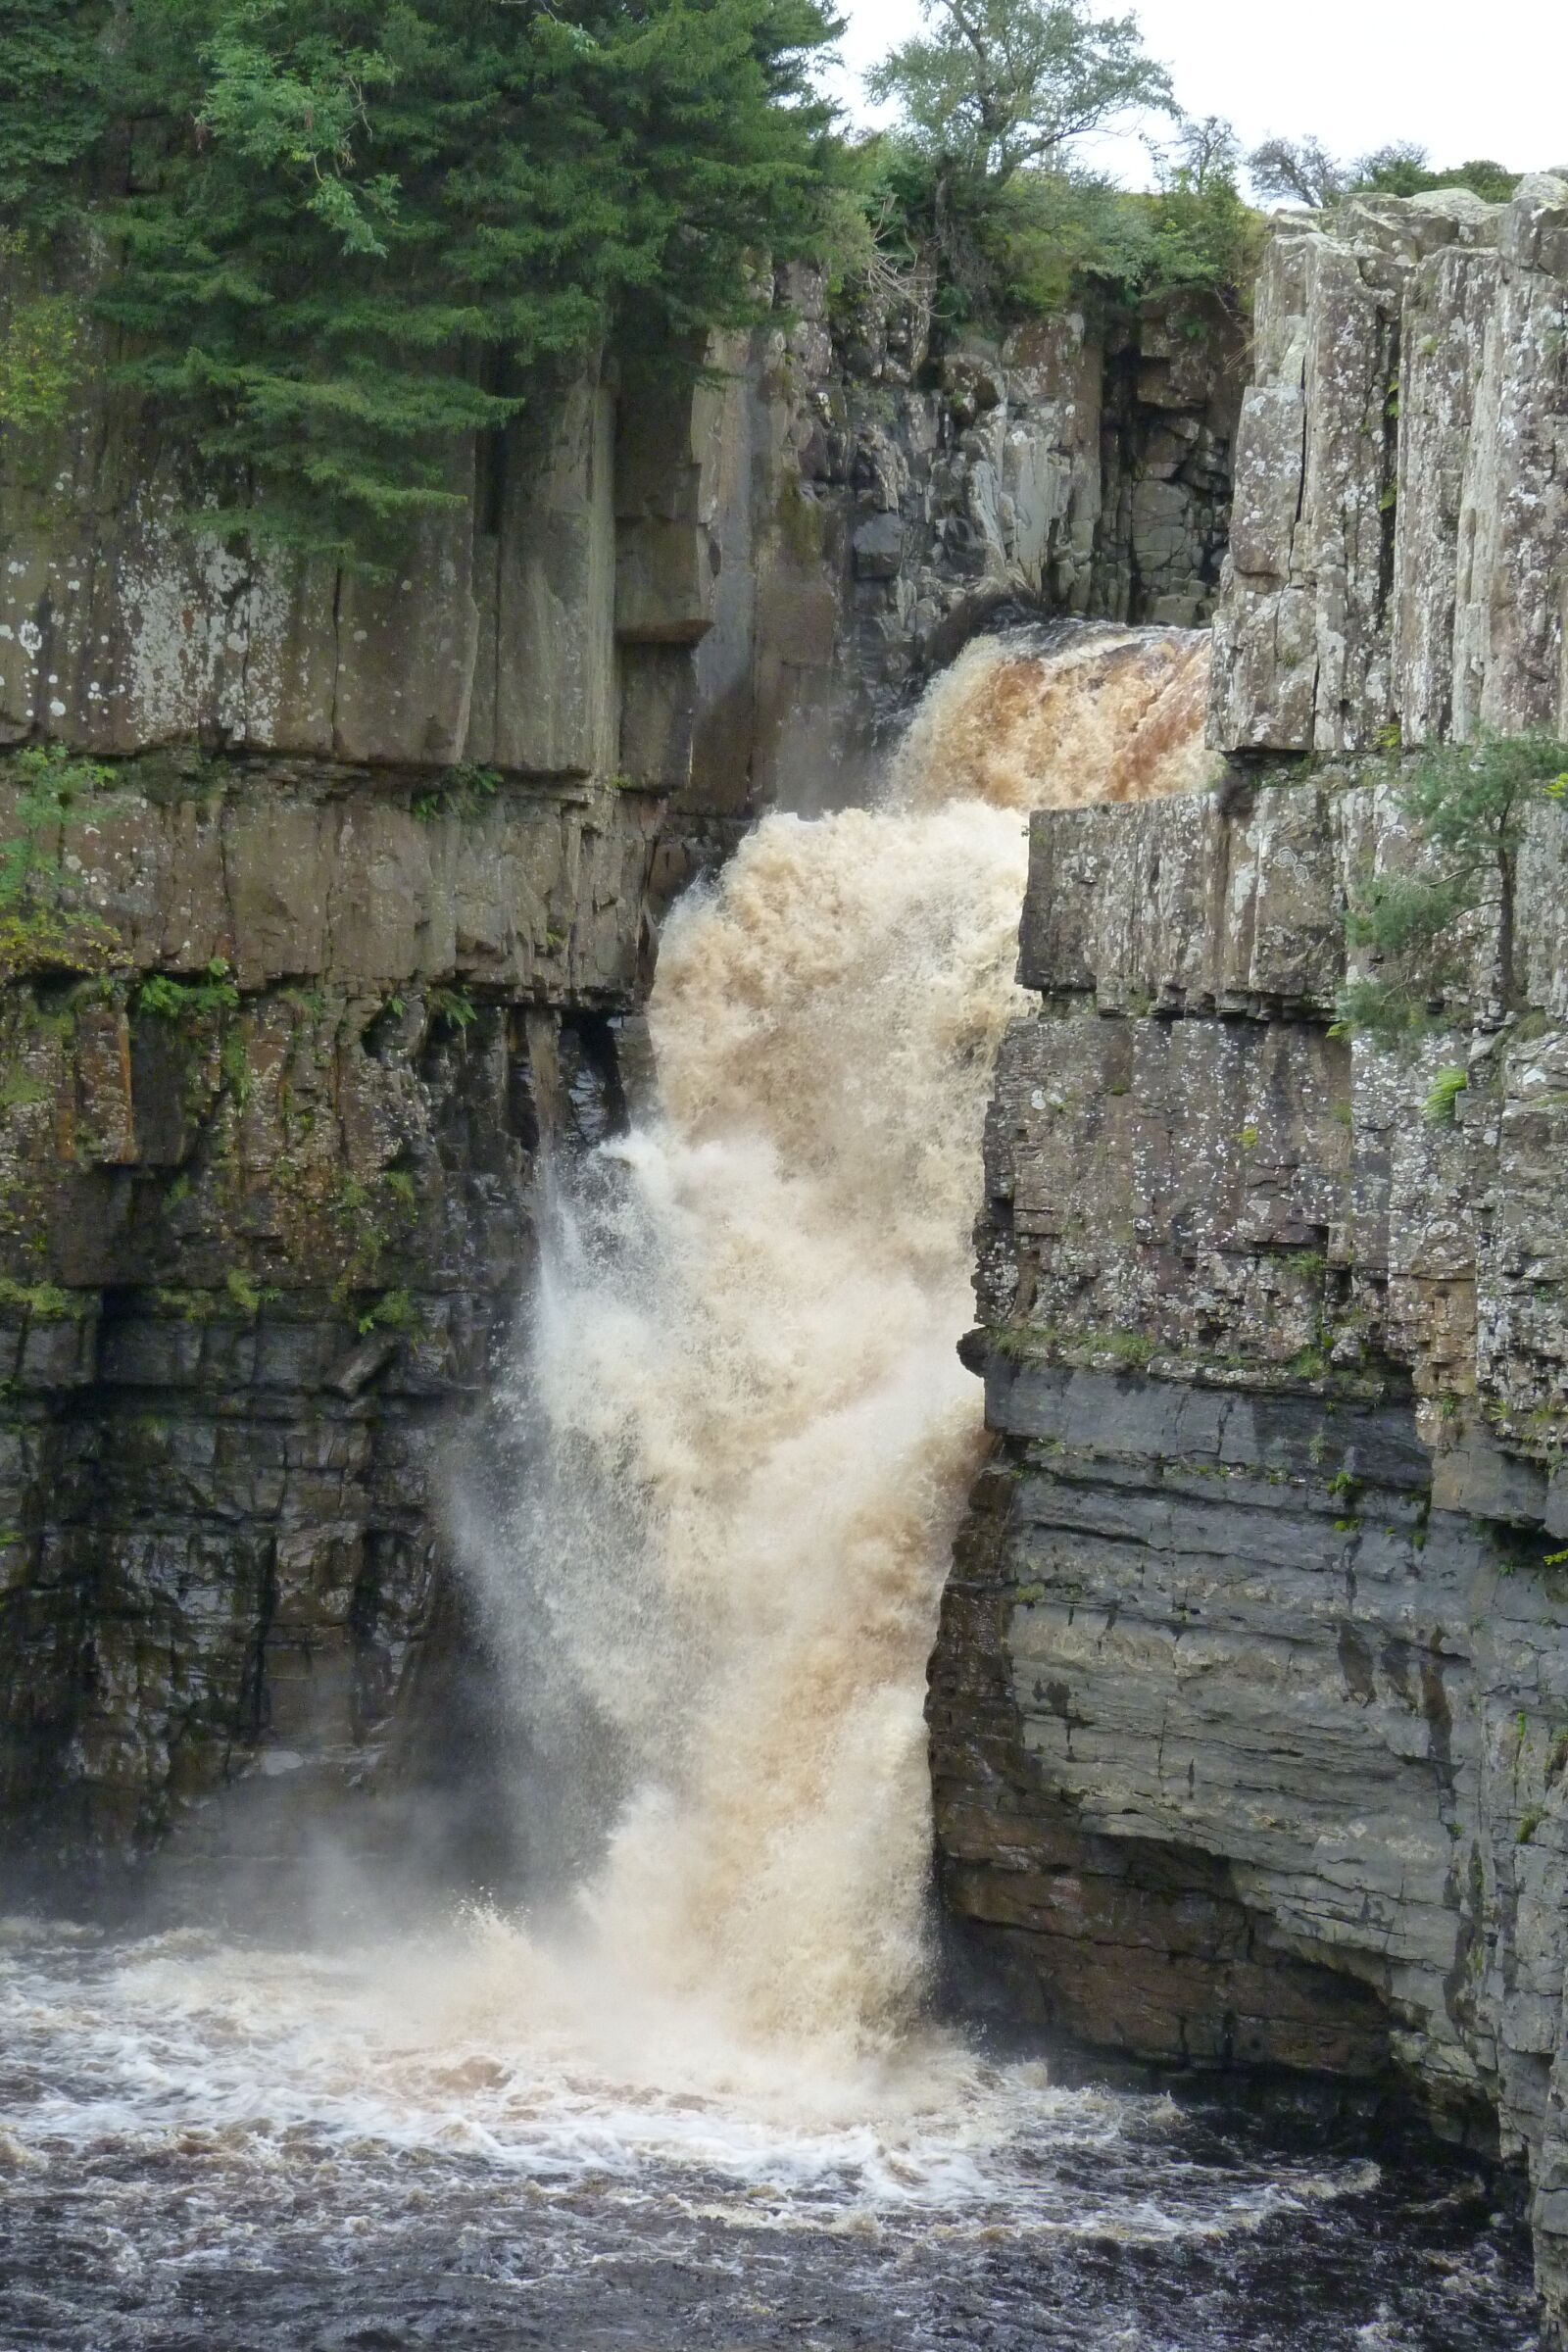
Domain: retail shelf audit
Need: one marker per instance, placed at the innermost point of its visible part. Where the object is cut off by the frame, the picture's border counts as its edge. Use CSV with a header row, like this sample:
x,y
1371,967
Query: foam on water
x,y
211,2143
200,2047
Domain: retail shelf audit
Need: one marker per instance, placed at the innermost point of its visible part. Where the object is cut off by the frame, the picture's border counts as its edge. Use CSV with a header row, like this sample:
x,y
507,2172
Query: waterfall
x,y
719,1592
680,2093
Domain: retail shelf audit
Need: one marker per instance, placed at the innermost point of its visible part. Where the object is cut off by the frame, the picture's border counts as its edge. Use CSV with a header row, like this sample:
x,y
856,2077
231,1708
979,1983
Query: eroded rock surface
x,y
878,503
269,1191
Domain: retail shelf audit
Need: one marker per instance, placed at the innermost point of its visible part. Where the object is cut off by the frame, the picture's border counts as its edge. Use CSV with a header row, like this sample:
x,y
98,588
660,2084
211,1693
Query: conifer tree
x,y
356,230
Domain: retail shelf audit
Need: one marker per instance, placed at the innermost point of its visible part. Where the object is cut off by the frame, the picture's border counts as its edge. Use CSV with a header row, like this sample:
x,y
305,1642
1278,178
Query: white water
x,y
751,1440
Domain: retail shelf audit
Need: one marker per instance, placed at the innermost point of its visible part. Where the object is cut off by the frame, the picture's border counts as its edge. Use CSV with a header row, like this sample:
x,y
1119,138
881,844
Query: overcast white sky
x,y
1465,81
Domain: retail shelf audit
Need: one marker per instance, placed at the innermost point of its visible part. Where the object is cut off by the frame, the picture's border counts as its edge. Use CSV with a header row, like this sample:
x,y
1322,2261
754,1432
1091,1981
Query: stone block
x,y
657,716
1480,1480
122,628
878,545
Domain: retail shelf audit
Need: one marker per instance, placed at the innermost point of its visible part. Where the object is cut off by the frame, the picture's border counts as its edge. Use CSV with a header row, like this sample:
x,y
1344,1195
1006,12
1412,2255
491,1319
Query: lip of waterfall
x,y
1066,714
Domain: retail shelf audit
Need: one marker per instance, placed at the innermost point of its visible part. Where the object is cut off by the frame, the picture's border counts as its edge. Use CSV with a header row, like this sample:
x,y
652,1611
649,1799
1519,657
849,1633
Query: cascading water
x,y
684,2095
759,1435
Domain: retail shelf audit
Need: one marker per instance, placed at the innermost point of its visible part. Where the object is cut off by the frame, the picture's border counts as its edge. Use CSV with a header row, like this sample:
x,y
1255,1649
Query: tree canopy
x,y
1298,172
349,232
997,85
981,182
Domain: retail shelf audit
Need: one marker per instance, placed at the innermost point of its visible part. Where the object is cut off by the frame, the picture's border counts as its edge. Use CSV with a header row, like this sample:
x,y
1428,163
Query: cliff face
x,y
293,1004
1400,505
875,503
1250,1711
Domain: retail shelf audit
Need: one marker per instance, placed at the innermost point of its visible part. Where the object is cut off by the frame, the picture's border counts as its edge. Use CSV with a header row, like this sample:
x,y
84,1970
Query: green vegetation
x,y
50,781
358,233
394,1311
163,998
998,86
40,355
1133,1349
465,791
345,237
234,1063
455,1006
1024,1342
53,107
19,1092
35,935
1441,1107
249,1296
45,1301
1021,1342
1465,805
1302,172
995,257
978,195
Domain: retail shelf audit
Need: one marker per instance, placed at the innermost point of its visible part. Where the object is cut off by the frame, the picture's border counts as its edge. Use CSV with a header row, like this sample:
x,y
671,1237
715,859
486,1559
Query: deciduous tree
x,y
997,85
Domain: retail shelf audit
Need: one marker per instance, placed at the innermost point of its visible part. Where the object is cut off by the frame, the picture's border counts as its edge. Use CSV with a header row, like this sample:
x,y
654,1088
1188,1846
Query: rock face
x,y
724,593
294,995
876,505
544,624
1249,1712
1402,508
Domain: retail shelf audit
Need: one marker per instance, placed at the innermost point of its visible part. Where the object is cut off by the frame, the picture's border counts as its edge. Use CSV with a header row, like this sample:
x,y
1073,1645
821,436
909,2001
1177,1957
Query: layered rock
x,y
542,624
1402,512
268,1185
294,1000
1250,1711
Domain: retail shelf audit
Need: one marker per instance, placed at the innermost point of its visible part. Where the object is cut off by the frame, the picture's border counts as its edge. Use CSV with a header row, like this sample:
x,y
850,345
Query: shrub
x,y
1466,804
164,998
1442,1104
41,361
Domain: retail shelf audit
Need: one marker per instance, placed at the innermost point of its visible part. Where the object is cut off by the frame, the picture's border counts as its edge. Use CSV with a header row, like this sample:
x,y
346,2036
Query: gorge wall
x,y
1249,1709
1401,495
306,984
298,990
